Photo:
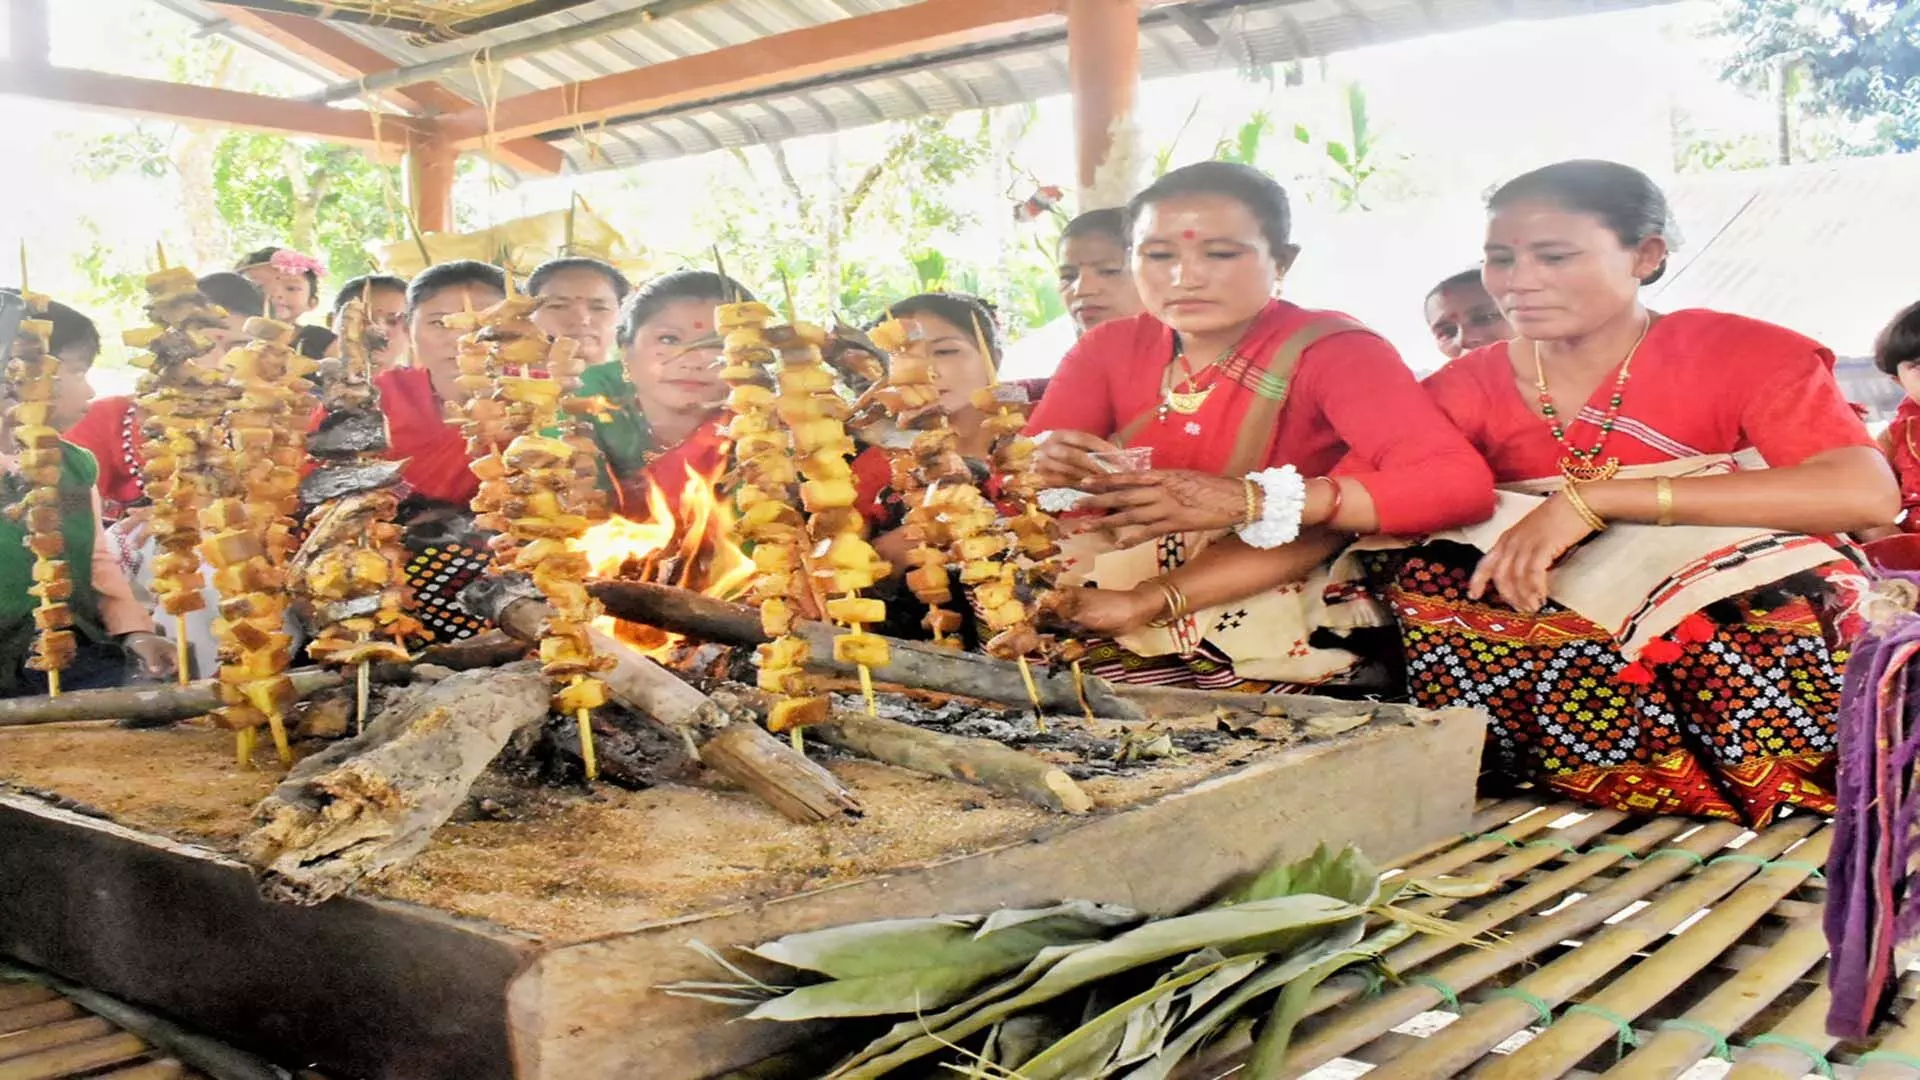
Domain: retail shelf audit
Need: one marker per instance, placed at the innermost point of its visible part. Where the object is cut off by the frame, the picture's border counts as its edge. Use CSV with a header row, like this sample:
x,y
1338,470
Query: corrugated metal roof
x,y
1824,249
1201,35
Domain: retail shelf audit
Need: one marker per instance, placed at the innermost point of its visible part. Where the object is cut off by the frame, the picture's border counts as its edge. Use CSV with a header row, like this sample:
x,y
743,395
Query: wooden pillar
x,y
29,40
1103,65
430,168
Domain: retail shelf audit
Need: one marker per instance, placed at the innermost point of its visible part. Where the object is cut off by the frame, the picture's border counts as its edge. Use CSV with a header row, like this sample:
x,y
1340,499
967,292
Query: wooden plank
x,y
185,932
59,1061
12,997
203,105
163,1069
28,1017
345,55
51,1035
808,53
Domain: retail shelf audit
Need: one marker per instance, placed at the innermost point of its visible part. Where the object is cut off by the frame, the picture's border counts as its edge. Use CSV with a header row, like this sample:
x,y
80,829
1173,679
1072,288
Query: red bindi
x,y
1188,235
699,326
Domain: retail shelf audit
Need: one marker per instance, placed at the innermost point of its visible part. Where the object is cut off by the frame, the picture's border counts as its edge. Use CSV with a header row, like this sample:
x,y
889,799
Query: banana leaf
x,y
1132,1030
907,1030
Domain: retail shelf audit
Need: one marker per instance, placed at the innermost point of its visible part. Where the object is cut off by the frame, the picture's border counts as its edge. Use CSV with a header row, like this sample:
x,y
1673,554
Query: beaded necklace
x,y
1582,466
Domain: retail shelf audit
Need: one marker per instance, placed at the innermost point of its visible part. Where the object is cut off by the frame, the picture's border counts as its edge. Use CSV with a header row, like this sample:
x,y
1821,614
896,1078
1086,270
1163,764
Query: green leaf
x,y
1338,152
907,1030
1276,1036
1220,927
1140,1022
1084,913
870,948
1276,974
1347,875
1302,135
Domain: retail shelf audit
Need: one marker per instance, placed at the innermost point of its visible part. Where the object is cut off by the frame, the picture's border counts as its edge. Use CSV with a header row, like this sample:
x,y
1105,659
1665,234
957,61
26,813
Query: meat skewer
x,y
180,403
32,374
351,569
250,529
538,491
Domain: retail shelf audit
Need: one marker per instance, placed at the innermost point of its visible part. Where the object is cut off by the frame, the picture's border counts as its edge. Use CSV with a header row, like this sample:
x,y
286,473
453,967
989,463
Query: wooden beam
x,y
203,105
812,52
1103,66
29,40
347,56
430,172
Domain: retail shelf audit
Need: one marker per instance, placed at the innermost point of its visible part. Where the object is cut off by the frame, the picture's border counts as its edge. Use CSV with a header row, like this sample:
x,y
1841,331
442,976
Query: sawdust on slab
x,y
569,864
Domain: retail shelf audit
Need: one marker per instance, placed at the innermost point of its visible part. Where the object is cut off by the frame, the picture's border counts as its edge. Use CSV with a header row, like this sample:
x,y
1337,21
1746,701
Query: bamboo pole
x,y
1366,1022
1903,1038
1649,981
1807,1024
1450,1051
1545,889
1671,1051
1473,850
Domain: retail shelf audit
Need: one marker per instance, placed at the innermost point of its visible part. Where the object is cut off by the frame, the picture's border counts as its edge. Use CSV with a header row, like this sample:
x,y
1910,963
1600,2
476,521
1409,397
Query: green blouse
x,y
624,438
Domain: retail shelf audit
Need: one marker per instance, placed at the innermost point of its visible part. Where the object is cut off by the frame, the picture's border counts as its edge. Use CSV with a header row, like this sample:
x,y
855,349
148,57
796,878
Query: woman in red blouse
x,y
1645,626
1248,403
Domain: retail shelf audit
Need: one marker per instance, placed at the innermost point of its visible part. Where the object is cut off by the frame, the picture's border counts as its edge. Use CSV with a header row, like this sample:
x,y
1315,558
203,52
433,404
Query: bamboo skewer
x,y
183,652
1462,1043
1575,1035
1671,1051
1367,1021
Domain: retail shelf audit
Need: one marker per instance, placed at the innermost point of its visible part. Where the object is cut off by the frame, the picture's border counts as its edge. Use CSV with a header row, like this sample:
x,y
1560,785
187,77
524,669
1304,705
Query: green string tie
x,y
1627,1037
1741,857
1893,1056
1448,995
1626,853
1496,835
1537,1004
1679,852
1814,870
1375,979
1720,1048
1554,842
1820,1063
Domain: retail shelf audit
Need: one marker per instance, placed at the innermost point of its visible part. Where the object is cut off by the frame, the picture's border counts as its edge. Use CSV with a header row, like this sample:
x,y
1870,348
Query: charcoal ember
x,y
346,433
327,484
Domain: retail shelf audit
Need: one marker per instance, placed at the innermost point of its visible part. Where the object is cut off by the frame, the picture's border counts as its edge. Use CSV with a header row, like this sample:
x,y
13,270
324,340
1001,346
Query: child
x,y
108,623
1897,352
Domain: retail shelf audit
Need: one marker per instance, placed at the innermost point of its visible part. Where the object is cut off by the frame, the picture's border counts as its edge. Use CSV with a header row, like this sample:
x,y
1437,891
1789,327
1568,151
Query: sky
x,y
1457,113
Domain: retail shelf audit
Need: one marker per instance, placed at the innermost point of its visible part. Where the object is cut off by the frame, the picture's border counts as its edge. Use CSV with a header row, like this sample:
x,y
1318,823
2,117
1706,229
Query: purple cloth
x,y
1869,908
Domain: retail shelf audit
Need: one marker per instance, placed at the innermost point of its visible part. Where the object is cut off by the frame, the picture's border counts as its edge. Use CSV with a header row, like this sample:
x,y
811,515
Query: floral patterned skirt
x,y
1737,723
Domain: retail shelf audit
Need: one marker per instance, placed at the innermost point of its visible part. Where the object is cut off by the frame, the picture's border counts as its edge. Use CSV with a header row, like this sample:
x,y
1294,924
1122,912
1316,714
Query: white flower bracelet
x,y
1284,504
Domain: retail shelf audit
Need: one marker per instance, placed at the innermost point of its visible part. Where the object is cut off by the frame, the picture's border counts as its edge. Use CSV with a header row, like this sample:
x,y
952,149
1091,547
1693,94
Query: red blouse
x,y
1352,404
1903,453
110,430
1702,383
435,451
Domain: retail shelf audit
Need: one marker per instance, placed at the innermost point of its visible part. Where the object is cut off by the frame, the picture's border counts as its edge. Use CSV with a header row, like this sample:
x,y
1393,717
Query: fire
x,y
693,549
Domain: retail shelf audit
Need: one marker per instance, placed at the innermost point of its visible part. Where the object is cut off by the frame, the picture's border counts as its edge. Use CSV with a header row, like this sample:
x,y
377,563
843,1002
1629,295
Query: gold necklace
x,y
1582,466
1189,401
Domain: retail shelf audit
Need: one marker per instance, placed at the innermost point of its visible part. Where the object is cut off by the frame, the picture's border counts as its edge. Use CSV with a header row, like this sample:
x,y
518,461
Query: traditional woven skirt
x,y
1739,724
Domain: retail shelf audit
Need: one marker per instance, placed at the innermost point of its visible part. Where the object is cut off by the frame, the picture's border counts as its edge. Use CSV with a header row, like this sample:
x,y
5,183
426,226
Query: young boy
x,y
110,626
1897,352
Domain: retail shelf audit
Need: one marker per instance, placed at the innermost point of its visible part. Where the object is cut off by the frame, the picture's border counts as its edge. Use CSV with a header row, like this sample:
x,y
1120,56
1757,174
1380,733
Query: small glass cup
x,y
1134,459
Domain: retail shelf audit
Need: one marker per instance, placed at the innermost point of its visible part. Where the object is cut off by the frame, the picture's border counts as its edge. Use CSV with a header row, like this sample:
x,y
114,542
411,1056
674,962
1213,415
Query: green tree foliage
x,y
323,199
1861,59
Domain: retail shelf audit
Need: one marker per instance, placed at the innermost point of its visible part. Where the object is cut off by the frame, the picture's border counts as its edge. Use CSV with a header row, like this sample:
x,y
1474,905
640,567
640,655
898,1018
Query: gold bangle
x,y
1179,609
1663,494
1594,521
1253,502
1169,596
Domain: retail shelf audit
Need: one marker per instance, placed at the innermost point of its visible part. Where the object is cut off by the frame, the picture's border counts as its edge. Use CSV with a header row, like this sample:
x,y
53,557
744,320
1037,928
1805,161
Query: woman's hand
x,y
1112,612
1523,557
155,653
1142,506
1063,460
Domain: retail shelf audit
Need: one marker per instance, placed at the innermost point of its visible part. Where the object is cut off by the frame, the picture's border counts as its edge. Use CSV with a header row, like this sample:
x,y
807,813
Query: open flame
x,y
692,548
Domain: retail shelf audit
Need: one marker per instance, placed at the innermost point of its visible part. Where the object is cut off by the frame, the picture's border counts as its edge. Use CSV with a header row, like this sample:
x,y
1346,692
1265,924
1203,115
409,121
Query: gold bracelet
x,y
1168,596
1594,521
1663,494
1179,609
1253,502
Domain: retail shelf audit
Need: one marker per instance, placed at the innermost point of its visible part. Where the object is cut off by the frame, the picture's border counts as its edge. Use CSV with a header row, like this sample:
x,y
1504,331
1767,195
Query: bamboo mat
x,y
1620,947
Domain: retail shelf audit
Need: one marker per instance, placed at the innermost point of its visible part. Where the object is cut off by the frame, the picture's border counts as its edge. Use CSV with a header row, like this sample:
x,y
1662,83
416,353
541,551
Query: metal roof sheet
x,y
1199,35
